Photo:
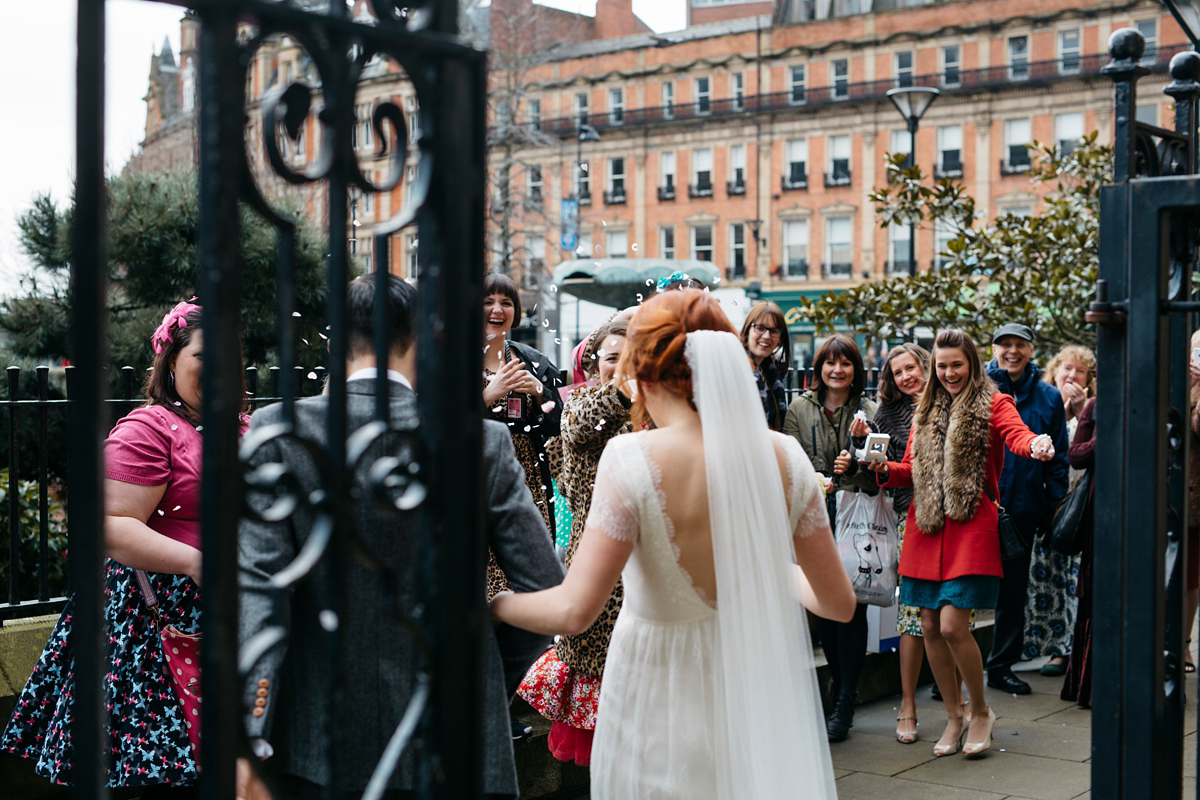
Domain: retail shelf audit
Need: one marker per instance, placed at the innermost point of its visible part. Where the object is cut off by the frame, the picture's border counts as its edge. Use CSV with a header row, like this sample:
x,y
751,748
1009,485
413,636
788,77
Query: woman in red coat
x,y
951,559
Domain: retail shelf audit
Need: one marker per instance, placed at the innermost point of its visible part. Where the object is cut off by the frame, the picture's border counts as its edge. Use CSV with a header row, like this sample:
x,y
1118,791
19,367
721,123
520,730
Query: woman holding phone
x,y
520,390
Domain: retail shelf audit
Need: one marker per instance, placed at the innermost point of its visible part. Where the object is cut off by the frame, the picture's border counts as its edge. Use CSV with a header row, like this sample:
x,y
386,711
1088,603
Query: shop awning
x,y
617,282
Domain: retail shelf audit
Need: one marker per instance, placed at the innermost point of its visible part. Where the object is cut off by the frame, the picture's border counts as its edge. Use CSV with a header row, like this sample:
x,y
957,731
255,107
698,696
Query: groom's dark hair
x,y
360,314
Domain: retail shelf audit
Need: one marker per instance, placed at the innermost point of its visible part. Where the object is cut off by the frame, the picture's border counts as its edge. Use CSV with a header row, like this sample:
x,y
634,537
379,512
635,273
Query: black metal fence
x,y
36,426
33,552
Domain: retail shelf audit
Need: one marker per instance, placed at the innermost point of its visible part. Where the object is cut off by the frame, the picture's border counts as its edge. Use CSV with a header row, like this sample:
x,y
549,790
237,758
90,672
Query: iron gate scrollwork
x,y
1144,311
447,202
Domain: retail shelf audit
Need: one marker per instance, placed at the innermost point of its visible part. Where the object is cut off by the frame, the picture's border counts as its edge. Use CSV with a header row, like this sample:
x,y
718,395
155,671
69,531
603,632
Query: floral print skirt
x,y
561,693
148,743
1051,606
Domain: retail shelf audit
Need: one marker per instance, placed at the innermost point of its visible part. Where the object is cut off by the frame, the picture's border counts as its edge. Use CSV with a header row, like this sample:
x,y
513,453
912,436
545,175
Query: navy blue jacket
x,y
1031,490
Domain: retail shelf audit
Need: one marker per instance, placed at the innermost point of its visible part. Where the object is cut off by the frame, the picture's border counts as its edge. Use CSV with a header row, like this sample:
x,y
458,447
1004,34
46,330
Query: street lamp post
x,y
912,102
586,134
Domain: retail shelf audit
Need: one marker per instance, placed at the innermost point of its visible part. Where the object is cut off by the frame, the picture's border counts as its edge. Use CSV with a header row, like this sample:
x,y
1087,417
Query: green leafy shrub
x,y
30,556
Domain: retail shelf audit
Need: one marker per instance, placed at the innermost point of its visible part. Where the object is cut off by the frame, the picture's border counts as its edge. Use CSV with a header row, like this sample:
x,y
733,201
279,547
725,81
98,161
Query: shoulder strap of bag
x,y
147,590
992,497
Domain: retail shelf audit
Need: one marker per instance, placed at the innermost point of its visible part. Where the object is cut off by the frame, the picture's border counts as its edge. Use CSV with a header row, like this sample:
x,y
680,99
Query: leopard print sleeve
x,y
591,416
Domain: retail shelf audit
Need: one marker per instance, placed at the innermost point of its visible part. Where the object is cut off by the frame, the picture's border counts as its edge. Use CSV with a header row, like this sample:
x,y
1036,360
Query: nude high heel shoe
x,y
940,750
975,748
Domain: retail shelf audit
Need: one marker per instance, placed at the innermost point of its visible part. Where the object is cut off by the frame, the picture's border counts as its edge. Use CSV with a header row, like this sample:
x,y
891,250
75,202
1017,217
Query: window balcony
x,y
735,273
666,193
794,181
897,267
796,269
949,168
585,198
614,198
735,188
839,177
839,270
700,189
1017,161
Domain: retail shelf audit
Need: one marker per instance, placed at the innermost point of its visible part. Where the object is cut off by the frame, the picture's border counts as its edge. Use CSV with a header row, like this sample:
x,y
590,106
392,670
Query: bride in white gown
x,y
710,687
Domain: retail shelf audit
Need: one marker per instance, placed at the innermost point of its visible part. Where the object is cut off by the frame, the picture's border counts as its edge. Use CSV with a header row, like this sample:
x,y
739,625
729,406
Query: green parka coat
x,y
822,438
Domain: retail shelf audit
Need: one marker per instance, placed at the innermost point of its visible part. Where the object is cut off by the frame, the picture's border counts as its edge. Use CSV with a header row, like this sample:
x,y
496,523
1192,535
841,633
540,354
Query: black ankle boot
x,y
842,719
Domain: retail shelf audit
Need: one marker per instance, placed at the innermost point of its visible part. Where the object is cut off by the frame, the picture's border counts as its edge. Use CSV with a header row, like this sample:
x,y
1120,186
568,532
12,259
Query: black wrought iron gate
x,y
449,79
1149,223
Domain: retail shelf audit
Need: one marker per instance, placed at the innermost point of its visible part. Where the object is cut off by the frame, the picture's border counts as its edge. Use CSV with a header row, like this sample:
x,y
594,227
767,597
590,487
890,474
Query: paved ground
x,y
1042,751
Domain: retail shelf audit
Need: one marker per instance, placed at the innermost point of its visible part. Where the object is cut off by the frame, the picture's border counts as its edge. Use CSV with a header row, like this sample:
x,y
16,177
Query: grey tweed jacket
x,y
285,691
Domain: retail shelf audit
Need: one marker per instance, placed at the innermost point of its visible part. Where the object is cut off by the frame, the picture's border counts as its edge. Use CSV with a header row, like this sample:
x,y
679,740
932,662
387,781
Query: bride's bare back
x,y
678,455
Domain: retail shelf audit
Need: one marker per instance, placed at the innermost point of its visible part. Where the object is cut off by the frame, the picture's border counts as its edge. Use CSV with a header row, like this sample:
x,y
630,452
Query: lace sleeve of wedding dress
x,y
807,512
770,741
614,509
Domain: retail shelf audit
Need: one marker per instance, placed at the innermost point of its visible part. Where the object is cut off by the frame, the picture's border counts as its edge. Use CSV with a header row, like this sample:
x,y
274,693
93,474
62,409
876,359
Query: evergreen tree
x,y
152,262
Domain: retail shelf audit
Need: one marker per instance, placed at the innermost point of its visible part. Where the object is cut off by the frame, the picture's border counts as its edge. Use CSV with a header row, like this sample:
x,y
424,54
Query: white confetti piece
x,y
295,313
547,406
312,376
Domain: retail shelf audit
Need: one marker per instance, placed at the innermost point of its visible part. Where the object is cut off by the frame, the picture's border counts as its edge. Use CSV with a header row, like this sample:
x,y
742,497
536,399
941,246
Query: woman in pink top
x,y
152,523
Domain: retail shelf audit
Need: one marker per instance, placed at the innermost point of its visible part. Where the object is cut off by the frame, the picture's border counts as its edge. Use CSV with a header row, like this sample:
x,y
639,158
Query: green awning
x,y
789,301
617,282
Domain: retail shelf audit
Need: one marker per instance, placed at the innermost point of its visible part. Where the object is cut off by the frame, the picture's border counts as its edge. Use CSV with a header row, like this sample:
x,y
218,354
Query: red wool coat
x,y
971,547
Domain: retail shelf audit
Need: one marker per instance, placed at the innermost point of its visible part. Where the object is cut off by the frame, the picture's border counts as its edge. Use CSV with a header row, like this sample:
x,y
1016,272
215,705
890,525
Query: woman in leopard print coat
x,y
564,684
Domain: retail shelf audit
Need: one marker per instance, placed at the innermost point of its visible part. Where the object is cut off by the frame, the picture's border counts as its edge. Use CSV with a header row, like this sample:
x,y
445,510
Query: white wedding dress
x,y
707,700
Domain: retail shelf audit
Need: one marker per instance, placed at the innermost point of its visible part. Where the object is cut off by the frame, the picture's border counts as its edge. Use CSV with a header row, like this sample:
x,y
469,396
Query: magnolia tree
x,y
1039,269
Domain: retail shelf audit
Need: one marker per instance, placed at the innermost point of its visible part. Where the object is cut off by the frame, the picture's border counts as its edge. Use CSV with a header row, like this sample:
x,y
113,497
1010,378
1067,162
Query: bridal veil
x,y
768,706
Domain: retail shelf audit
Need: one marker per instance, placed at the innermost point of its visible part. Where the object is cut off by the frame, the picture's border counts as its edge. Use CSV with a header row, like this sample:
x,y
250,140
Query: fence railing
x,y
1004,76
34,422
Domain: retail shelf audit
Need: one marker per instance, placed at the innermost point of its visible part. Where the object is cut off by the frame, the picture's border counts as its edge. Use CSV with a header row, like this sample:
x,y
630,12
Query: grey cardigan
x,y
378,663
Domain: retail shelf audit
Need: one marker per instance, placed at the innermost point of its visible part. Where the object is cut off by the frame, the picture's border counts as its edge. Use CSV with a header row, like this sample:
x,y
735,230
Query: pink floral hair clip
x,y
175,318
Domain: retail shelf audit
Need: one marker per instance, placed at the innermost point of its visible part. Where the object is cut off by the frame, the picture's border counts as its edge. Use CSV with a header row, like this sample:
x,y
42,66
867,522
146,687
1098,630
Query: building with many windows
x,y
755,141
752,139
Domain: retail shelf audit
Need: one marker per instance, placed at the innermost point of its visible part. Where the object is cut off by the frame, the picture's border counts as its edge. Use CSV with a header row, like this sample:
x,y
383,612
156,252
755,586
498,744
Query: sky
x,y
38,65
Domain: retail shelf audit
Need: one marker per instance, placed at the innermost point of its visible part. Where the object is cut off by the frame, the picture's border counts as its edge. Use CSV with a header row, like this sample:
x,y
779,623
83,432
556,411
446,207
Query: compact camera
x,y
876,447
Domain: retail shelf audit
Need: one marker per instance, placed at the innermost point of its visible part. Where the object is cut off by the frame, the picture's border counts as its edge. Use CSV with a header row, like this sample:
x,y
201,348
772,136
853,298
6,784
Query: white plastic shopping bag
x,y
866,540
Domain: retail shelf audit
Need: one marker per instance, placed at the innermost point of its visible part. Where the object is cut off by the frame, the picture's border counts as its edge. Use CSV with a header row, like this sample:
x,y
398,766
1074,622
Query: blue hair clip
x,y
674,277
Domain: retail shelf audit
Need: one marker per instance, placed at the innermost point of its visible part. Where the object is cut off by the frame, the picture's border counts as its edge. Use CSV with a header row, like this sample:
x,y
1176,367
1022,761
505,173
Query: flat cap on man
x,y
1013,329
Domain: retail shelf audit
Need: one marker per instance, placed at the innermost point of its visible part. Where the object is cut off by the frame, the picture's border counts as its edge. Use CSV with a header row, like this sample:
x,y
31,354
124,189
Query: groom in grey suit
x,y
288,685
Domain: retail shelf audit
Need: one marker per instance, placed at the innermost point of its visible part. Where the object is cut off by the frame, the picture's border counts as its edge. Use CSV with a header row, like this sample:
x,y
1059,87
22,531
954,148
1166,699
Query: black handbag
x,y
1012,542
1066,532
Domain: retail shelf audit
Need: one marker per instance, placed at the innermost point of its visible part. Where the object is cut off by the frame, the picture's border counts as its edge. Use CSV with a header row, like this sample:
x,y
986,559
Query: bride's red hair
x,y
654,348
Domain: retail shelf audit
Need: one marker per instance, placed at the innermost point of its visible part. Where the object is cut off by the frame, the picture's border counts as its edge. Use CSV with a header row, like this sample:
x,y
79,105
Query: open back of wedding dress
x,y
700,701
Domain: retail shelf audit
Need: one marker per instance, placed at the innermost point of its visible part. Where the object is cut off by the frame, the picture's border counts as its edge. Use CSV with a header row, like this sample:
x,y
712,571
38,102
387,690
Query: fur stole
x,y
949,458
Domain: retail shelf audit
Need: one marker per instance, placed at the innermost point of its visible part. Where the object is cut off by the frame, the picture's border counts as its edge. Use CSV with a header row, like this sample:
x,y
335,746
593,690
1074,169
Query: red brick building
x,y
754,137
